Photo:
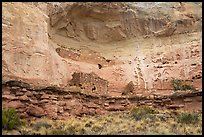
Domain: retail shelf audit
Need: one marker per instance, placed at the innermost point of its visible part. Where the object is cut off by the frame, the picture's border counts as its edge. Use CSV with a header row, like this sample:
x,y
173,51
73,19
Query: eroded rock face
x,y
62,104
107,22
45,43
26,52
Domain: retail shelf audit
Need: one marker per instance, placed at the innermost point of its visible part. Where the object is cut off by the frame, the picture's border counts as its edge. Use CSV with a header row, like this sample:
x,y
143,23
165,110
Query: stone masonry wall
x,y
90,82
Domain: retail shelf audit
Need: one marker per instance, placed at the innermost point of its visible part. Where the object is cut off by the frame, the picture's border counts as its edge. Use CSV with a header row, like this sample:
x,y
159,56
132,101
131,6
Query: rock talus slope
x,y
125,44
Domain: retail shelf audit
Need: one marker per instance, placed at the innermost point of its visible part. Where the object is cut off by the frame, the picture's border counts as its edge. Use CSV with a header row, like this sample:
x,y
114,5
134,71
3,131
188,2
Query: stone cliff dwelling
x,y
89,82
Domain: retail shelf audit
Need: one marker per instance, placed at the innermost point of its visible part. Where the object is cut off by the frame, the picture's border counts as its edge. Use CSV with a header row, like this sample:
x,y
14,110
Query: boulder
x,y
35,111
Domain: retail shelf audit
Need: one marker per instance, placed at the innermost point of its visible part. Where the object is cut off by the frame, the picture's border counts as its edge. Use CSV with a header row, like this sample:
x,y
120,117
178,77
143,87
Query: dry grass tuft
x,y
151,122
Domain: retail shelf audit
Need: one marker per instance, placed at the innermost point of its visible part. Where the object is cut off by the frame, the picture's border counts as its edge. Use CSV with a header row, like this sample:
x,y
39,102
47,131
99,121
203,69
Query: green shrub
x,y
188,118
10,119
142,112
179,85
188,87
176,84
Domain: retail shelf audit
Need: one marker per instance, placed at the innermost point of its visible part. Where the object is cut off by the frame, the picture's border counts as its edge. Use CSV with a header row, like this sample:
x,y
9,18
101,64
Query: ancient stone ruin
x,y
89,82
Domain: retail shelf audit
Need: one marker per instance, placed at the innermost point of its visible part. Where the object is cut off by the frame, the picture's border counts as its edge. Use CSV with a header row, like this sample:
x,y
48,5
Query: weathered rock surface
x,y
106,49
14,104
36,111
45,43
78,104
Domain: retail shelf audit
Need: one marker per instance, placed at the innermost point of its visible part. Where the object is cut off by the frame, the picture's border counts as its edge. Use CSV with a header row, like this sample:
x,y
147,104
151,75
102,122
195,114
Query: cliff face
x,y
110,22
145,45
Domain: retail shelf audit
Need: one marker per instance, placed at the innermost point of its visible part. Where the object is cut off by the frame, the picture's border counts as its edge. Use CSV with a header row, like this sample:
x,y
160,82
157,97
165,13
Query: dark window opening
x,y
99,66
94,88
159,67
108,60
198,76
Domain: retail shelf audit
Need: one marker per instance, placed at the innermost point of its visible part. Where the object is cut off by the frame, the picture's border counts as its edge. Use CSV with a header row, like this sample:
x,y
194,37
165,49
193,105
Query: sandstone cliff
x,y
143,44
